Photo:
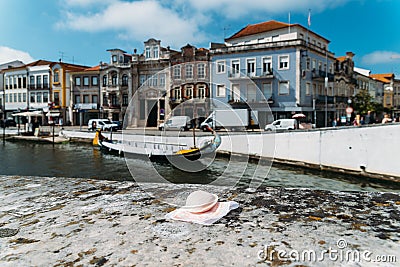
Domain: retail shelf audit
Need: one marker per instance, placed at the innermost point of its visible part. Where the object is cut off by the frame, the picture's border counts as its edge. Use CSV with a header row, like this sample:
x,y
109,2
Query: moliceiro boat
x,y
158,148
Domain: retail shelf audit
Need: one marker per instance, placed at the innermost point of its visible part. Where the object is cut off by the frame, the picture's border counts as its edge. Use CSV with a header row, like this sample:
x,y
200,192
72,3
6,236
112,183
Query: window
x,y
284,88
142,79
33,98
267,90
95,99
45,81
314,64
251,67
201,91
155,52
86,81
114,79
86,99
105,80
201,74
56,77
125,80
125,101
15,97
189,71
77,99
220,90
45,97
95,80
105,100
308,64
314,89
308,88
220,66
235,67
32,81
56,98
267,65
189,91
177,72
177,93
155,80
15,84
19,82
162,79
24,97
251,93
148,52
19,97
114,100
38,81
283,62
114,58
77,81
39,98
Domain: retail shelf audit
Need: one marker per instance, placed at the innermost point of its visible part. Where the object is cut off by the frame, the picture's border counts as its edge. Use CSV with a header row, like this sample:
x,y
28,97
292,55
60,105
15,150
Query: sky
x,y
81,31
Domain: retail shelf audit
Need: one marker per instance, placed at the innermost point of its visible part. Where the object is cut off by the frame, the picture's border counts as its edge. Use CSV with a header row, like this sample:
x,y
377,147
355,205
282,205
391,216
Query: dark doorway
x,y
152,118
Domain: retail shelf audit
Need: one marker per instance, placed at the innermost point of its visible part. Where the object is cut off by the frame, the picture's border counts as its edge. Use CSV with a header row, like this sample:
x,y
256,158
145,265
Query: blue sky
x,y
80,31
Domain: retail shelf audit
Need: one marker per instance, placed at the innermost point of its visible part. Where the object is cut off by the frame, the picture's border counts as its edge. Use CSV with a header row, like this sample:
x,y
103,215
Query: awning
x,y
53,114
28,114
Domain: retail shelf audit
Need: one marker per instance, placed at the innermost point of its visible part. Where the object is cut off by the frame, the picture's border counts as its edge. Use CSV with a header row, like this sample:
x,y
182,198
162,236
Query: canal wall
x,y
369,151
49,221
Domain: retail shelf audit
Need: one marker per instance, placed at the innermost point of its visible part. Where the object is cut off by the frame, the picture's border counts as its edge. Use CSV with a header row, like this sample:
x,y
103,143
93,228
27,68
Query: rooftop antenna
x,y
61,53
225,29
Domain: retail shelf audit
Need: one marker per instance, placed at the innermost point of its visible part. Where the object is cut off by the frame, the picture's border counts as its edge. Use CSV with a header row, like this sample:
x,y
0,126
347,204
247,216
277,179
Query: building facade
x,y
116,85
85,95
274,67
190,81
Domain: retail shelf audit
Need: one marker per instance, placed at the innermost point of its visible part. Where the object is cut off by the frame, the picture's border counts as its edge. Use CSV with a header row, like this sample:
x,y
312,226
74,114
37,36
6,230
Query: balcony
x,y
86,106
258,74
321,99
320,75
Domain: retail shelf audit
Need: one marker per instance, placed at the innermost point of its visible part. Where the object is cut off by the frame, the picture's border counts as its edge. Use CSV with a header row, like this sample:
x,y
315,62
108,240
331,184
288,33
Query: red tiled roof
x,y
93,68
39,62
384,77
265,27
342,58
259,28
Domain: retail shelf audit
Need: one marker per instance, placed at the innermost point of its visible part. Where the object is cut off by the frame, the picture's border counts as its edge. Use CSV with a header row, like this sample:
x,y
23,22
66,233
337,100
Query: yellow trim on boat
x,y
186,151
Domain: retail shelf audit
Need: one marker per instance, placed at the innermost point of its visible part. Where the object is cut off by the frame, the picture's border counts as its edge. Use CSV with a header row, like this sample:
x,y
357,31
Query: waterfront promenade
x,y
82,222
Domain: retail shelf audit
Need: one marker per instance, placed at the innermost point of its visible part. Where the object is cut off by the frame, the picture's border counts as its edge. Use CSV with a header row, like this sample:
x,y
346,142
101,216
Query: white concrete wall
x,y
373,150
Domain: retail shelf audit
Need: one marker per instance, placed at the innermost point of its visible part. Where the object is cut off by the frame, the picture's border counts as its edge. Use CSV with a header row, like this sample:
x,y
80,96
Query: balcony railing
x,y
258,74
320,74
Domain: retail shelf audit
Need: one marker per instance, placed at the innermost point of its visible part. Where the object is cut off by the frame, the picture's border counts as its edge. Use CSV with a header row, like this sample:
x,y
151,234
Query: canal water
x,y
84,161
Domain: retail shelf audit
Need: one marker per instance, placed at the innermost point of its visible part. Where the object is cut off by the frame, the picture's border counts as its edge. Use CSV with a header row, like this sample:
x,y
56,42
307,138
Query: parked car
x,y
102,124
181,123
282,125
119,123
7,123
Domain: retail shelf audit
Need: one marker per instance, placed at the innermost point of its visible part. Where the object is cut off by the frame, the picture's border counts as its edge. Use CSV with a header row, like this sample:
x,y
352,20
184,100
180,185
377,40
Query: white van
x,y
181,123
102,124
282,125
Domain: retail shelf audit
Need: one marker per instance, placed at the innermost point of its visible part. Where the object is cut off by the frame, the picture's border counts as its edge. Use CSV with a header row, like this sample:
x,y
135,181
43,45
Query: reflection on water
x,y
83,160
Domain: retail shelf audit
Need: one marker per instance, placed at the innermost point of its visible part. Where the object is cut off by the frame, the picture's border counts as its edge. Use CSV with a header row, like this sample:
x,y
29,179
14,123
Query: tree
x,y
363,102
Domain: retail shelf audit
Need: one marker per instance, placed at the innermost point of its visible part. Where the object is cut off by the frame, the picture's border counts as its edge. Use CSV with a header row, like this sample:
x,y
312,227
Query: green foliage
x,y
363,102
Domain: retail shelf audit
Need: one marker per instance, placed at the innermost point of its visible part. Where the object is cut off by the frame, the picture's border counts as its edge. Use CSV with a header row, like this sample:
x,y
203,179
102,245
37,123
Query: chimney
x,y
350,55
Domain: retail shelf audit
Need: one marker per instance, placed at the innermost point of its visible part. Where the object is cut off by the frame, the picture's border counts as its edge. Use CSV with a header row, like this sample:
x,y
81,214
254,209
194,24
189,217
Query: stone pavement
x,y
81,222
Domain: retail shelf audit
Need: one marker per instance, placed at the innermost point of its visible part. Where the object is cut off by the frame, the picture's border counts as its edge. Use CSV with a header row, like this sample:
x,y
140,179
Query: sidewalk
x,y
68,222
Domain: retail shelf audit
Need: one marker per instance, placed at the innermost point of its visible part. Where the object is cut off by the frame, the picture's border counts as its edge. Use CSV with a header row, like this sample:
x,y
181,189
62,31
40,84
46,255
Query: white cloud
x,y
237,8
138,20
8,54
87,3
175,22
381,57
